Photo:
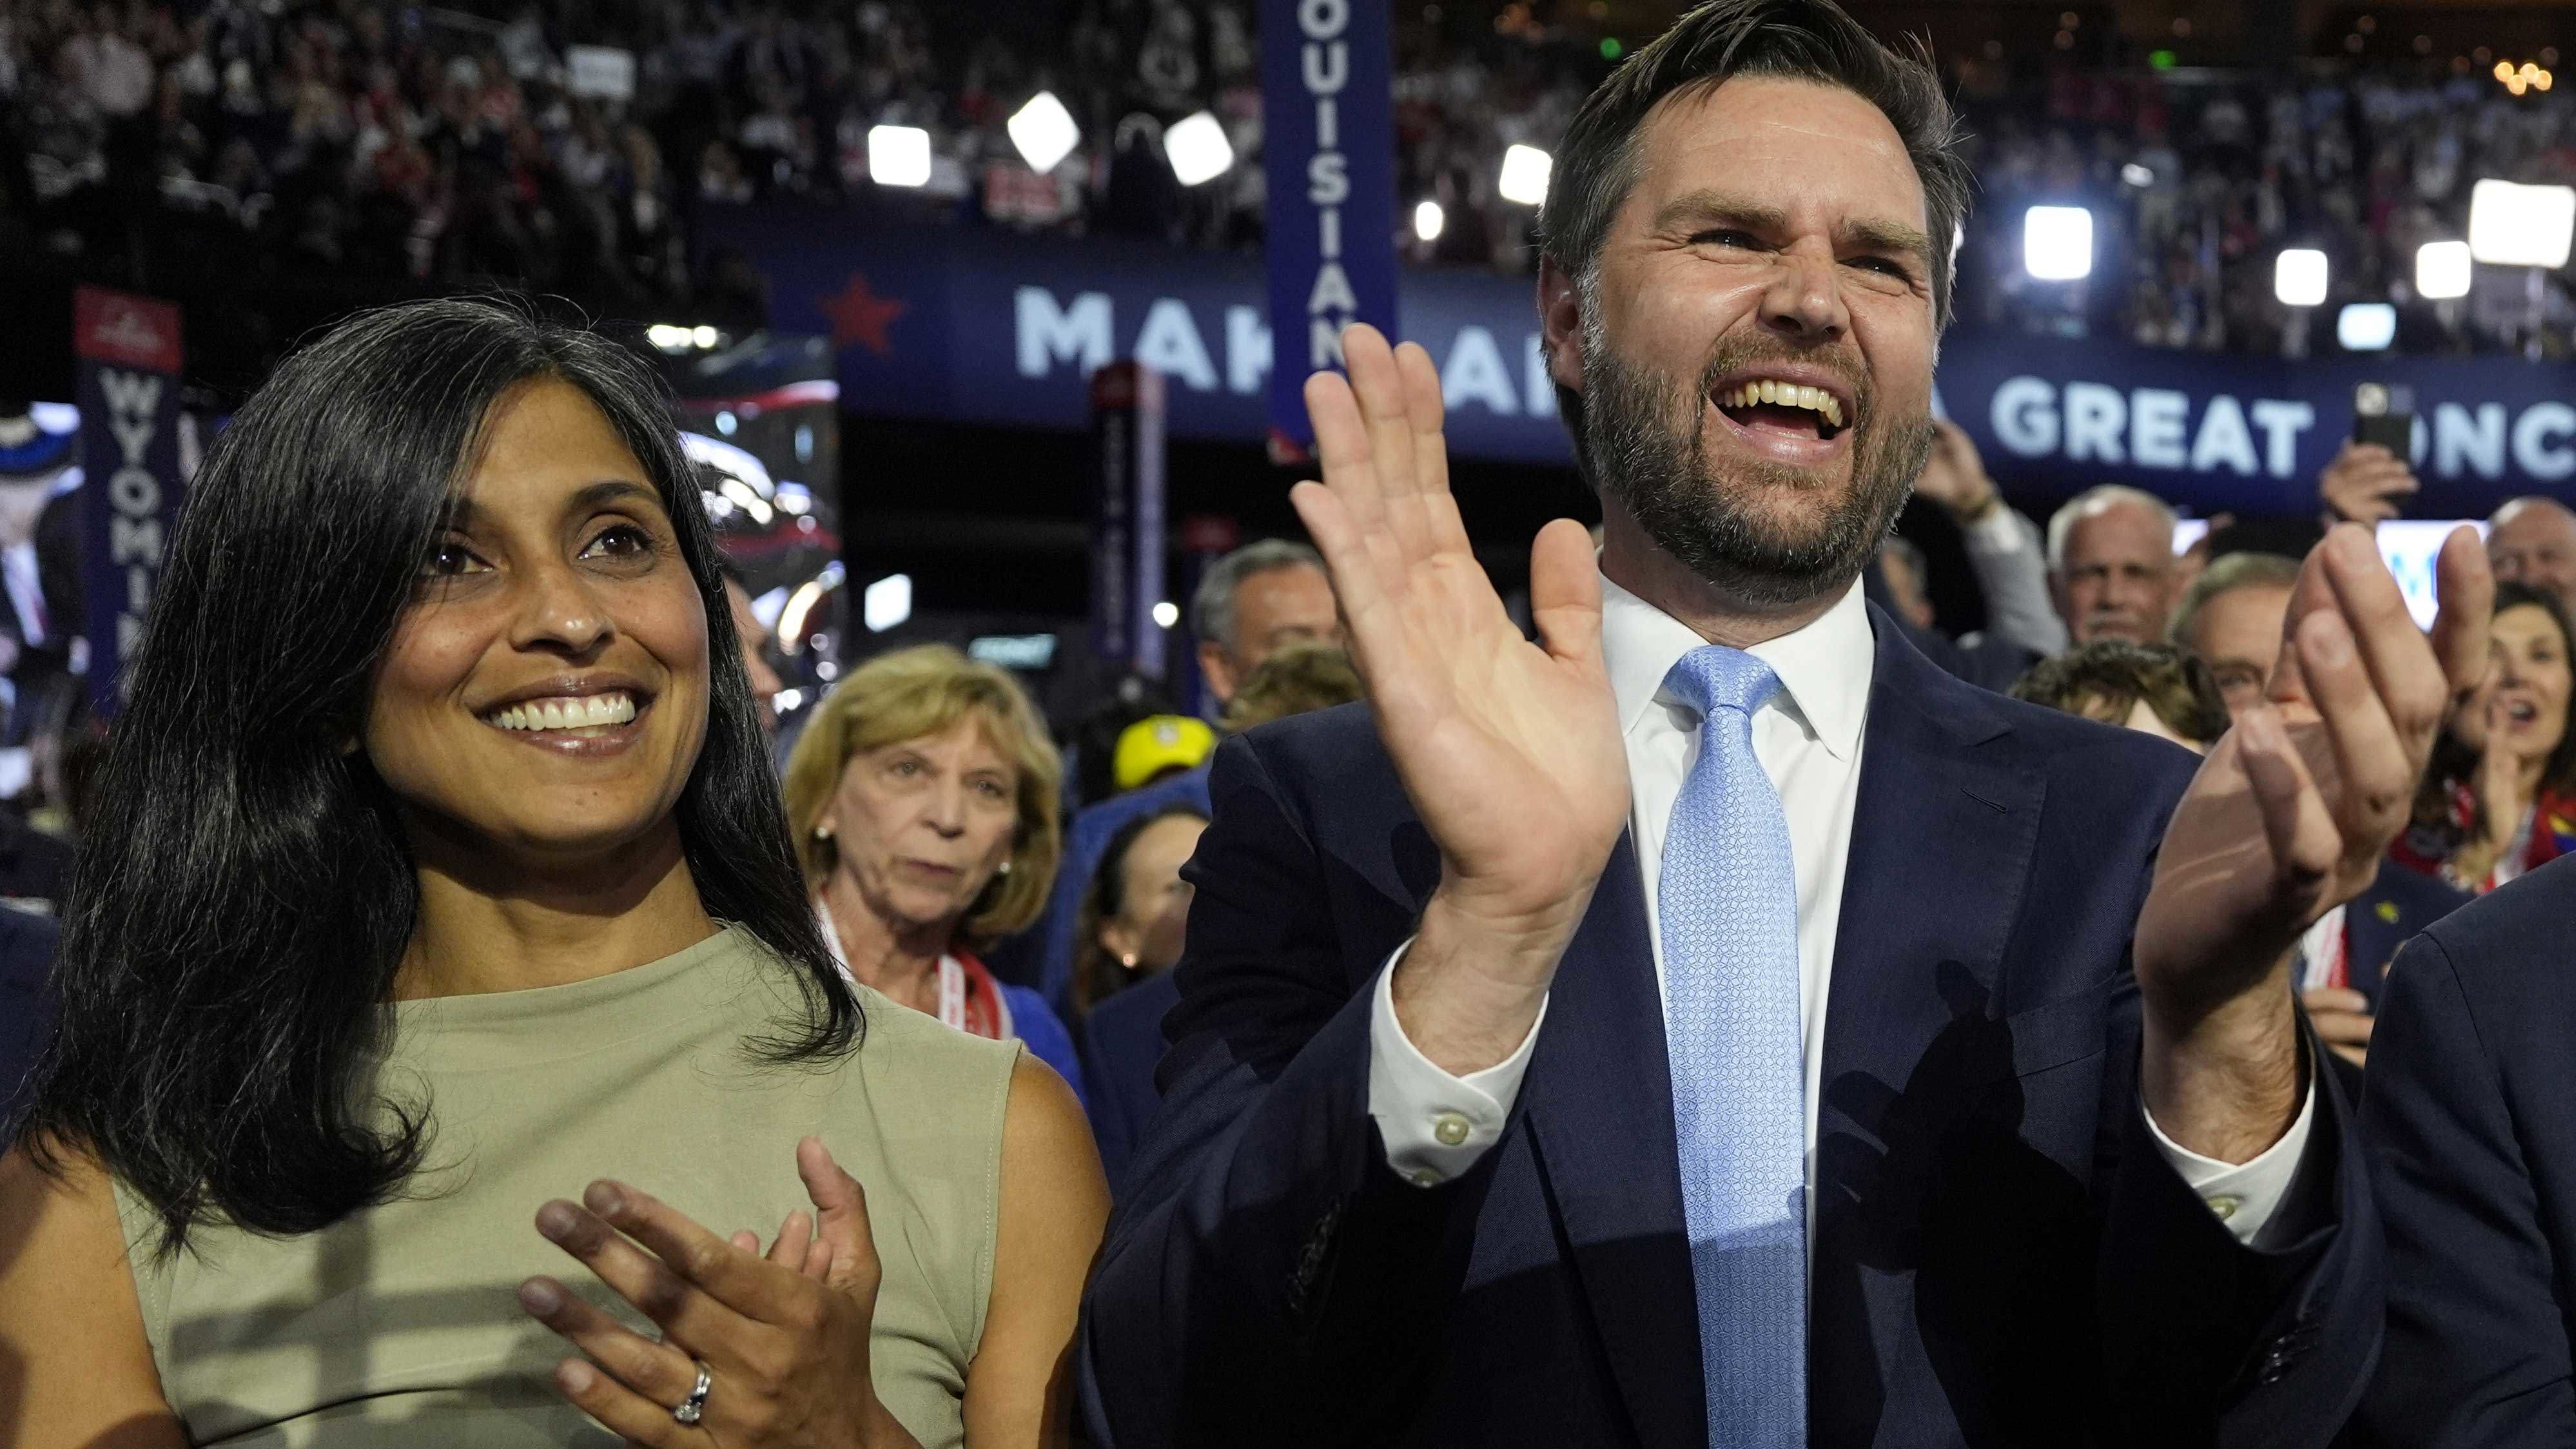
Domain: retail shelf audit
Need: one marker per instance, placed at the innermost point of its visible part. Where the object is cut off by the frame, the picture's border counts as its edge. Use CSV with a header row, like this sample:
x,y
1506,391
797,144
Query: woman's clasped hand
x,y
780,1340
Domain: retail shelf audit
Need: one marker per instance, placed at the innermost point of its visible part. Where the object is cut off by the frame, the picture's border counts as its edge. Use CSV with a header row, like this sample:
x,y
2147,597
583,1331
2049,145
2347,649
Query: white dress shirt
x,y
1809,739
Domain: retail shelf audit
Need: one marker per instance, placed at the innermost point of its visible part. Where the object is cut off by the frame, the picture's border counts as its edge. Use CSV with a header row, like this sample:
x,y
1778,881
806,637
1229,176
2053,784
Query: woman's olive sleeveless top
x,y
400,1326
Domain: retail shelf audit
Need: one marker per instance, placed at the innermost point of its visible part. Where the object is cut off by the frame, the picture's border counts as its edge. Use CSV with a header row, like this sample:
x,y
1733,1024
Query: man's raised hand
x,y
1509,750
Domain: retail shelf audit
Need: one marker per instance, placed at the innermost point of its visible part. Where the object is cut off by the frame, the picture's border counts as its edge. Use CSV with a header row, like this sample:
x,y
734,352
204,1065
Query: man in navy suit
x,y
2472,1135
1967,1104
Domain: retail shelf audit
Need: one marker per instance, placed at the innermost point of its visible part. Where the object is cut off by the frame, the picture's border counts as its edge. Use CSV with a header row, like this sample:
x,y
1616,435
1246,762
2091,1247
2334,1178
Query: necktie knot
x,y
1714,677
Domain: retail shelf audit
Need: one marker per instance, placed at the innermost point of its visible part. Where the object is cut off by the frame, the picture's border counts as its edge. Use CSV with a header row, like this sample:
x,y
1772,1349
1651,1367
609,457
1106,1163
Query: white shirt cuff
x,y
2243,1195
1435,1125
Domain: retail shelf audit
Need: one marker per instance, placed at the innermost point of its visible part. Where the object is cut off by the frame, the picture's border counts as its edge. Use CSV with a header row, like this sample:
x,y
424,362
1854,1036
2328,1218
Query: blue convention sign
x,y
1328,153
987,327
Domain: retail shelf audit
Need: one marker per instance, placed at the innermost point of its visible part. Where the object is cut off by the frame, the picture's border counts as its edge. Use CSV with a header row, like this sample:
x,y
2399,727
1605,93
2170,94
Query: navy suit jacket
x,y
2001,1257
26,1004
2399,903
2471,1127
1122,1043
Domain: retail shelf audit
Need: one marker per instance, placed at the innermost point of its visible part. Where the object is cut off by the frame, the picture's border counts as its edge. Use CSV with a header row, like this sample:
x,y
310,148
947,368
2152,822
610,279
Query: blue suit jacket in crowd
x,y
26,1003
2471,1119
2001,1256
1122,1044
2398,905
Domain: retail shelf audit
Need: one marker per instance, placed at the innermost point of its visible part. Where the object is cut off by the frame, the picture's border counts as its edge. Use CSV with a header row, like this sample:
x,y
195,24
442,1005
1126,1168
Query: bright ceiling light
x,y
2299,277
899,155
2137,175
1044,131
1525,173
1429,221
1198,149
1166,614
2521,226
887,602
2366,327
2057,243
2442,270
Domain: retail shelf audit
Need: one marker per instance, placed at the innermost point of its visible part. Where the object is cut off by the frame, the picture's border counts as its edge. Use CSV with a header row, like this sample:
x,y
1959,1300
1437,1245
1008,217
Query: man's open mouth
x,y
1766,405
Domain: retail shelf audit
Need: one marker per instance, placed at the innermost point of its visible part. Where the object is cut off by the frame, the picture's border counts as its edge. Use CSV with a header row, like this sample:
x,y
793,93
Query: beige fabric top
x,y
400,1326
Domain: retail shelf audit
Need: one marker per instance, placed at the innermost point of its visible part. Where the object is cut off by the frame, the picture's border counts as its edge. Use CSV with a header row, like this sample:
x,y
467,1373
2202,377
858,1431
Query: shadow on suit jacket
x,y
2001,1258
2471,1126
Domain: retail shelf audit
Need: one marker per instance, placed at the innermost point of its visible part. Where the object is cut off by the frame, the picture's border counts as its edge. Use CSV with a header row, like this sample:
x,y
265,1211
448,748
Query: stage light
x,y
899,155
2057,243
669,338
2366,326
2137,175
1525,173
2299,277
704,337
1197,148
1166,614
2442,270
1429,221
2521,226
1044,131
886,603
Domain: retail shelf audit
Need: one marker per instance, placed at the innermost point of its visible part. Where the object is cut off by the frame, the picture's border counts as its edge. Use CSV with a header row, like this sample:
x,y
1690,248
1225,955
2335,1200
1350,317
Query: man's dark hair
x,y
2109,678
1807,40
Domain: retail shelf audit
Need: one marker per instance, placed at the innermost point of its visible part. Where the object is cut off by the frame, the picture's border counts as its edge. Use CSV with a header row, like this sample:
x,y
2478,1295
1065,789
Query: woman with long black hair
x,y
438,871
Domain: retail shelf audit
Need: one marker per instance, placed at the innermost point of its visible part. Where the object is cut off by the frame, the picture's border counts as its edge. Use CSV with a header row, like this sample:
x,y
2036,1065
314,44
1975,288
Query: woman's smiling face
x,y
545,695
2531,682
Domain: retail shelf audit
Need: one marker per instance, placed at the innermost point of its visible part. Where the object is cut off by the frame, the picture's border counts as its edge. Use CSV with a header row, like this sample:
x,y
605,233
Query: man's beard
x,y
1643,452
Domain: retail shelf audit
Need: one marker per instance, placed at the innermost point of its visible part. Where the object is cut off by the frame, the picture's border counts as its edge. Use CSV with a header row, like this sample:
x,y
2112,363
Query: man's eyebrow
x,y
1711,205
1708,205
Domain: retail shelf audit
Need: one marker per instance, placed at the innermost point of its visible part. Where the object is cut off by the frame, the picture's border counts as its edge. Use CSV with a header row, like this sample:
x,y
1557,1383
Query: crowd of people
x,y
568,147
2200,182
1642,1015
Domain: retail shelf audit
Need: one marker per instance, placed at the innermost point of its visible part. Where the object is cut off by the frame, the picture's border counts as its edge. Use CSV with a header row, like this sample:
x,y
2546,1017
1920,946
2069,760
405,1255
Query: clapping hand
x,y
783,1337
1509,750
2288,817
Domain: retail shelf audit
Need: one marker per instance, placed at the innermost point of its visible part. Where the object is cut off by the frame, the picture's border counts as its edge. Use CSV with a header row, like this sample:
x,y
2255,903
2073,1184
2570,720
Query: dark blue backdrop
x,y
972,325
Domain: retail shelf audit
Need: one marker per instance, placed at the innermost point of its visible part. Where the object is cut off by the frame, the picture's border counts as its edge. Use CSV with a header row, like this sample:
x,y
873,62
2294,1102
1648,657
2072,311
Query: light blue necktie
x,y
1729,904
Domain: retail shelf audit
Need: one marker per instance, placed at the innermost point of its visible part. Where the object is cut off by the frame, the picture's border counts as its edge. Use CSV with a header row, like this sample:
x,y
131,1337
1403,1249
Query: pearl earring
x,y
822,832
1005,870
1128,960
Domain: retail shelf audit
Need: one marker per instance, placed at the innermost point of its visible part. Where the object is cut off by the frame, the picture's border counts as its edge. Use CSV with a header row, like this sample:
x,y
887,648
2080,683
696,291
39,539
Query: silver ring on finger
x,y
694,1407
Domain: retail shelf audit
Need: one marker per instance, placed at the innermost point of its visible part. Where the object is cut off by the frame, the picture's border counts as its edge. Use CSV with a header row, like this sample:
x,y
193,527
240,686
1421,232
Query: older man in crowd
x,y
2111,565
2533,541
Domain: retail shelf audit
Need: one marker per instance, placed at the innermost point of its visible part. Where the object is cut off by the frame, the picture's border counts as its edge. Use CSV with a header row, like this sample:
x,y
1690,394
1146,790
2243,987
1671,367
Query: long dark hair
x,y
2454,765
244,893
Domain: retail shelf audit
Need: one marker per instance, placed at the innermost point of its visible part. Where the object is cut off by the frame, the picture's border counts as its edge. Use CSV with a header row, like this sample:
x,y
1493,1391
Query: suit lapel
x,y
1599,1100
1941,844
1942,840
